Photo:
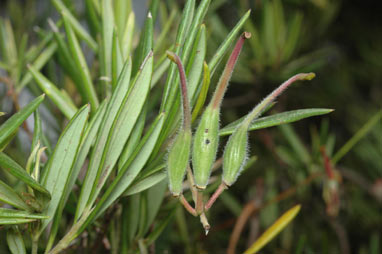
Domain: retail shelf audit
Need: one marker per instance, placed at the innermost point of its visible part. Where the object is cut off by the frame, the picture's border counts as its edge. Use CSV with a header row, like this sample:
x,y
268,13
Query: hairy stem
x,y
183,85
228,69
215,196
187,205
271,97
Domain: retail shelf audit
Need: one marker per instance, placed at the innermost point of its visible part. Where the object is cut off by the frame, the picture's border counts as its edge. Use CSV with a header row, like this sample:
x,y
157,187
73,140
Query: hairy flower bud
x,y
235,154
177,161
206,142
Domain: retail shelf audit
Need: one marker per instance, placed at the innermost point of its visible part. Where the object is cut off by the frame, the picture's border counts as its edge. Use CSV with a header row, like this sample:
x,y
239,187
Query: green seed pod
x,y
207,134
235,154
206,140
177,161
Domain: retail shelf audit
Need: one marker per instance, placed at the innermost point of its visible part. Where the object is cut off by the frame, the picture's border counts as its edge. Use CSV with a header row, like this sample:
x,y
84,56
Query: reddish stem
x,y
226,75
183,87
187,205
215,196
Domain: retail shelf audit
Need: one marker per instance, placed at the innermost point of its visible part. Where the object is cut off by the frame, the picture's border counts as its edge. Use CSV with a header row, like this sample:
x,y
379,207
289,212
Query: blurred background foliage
x,y
339,40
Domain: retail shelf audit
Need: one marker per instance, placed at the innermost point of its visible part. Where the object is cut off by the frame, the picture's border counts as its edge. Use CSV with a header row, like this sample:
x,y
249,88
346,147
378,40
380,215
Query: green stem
x,y
35,244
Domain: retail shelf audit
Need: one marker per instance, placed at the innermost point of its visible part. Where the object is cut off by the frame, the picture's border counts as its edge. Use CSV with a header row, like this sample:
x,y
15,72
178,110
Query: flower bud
x,y
235,154
177,161
206,140
207,134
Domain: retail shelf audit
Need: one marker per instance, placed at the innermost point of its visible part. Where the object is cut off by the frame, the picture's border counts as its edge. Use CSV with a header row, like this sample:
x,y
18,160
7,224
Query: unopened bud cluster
x,y
205,141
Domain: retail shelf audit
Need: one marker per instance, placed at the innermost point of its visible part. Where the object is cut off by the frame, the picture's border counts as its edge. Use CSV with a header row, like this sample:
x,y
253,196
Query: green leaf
x,y
145,43
107,36
195,65
40,61
134,138
128,35
203,93
132,167
58,170
226,43
276,119
160,227
123,124
155,196
11,213
59,99
80,31
358,136
86,142
17,171
102,137
15,241
171,86
9,196
15,221
11,125
273,230
145,183
81,65
117,60
296,143
37,129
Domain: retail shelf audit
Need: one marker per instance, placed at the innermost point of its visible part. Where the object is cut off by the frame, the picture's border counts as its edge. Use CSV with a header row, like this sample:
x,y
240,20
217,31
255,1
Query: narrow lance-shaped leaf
x,y
11,125
203,92
40,61
145,43
11,213
37,130
145,183
57,171
180,37
81,65
129,171
117,60
207,134
17,171
15,241
123,124
100,143
9,196
107,37
273,230
235,152
212,64
196,63
82,33
276,119
86,142
128,35
67,61
67,108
